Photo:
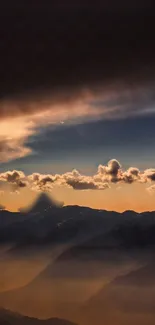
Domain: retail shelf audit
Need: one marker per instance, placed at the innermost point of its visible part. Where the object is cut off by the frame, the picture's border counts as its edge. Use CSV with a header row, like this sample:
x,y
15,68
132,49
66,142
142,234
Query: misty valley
x,y
64,265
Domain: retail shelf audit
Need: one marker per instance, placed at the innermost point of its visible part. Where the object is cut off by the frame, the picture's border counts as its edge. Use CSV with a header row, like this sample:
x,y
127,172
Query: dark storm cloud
x,y
59,46
129,102
66,61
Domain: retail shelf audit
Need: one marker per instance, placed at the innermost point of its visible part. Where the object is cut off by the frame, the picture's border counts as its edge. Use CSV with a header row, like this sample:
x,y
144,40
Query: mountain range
x,y
49,222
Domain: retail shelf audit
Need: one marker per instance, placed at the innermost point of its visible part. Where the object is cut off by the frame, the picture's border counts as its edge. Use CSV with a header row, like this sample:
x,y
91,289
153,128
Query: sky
x,y
77,103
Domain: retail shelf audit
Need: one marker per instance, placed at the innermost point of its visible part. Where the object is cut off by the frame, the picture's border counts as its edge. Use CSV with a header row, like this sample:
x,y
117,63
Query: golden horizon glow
x,y
117,198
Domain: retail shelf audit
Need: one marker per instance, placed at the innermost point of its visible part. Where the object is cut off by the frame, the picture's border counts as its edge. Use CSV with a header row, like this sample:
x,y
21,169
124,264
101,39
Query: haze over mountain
x,y
88,250
127,299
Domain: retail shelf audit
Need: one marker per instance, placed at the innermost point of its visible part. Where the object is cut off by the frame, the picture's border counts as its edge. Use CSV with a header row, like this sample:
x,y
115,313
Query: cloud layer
x,y
104,177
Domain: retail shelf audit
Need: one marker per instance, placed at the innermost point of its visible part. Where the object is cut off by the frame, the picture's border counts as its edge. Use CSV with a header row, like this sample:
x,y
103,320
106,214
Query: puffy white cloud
x,y
149,174
13,180
131,175
12,176
41,182
104,177
111,172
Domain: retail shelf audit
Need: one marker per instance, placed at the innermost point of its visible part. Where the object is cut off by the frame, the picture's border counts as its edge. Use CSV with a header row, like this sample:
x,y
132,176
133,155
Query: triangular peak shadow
x,y
43,203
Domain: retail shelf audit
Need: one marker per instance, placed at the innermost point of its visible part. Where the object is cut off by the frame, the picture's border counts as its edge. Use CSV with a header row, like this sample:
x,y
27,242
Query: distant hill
x,y
8,218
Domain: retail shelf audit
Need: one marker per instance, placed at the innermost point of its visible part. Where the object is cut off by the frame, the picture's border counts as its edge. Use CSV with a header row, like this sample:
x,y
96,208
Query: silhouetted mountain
x,y
95,228
10,318
42,204
59,225
8,218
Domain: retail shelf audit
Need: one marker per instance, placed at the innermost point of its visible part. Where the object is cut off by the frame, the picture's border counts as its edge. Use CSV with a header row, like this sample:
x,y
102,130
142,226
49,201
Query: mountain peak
x,y
43,203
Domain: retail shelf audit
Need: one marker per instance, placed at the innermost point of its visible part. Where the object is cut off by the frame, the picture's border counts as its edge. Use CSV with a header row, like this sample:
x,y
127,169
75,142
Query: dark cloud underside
x,y
72,45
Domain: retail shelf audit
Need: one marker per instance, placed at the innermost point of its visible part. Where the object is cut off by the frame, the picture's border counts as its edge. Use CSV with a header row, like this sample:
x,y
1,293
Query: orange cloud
x,y
105,176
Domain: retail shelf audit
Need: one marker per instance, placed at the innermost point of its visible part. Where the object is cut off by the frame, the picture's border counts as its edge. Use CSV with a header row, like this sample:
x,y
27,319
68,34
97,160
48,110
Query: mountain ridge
x,y
15,318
